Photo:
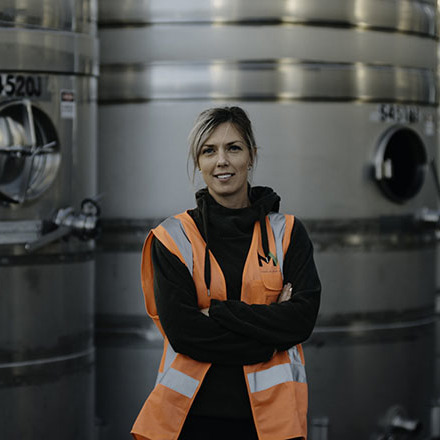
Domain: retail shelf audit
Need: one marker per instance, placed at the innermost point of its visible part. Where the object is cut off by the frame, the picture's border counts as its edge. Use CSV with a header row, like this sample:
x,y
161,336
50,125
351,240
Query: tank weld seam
x,y
117,101
361,328
428,32
34,362
266,62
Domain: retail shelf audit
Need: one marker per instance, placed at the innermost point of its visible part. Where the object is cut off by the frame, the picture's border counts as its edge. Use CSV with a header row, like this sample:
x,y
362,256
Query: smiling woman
x,y
222,137
233,287
224,162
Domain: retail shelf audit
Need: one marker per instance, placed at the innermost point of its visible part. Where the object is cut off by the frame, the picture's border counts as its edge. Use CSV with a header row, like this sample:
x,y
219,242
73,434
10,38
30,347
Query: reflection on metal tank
x,y
343,99
48,85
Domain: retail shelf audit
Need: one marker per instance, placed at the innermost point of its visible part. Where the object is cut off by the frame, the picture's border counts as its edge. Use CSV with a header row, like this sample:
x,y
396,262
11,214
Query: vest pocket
x,y
265,291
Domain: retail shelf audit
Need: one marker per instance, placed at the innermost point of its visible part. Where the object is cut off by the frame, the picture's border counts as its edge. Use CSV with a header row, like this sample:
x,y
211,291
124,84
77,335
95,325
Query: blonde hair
x,y
209,120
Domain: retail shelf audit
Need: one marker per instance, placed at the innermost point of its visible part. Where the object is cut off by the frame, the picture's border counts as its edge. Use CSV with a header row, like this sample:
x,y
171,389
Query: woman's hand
x,y
286,293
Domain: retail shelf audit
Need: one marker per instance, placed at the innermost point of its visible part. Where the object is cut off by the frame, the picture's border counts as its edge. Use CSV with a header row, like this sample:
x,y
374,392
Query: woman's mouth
x,y
224,176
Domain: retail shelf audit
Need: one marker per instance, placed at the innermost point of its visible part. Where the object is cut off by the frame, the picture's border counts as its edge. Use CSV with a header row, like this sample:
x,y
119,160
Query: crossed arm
x,y
233,332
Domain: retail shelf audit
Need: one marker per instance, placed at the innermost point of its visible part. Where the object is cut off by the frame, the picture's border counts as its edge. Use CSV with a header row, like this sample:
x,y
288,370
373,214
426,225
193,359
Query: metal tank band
x,y
411,16
56,54
267,80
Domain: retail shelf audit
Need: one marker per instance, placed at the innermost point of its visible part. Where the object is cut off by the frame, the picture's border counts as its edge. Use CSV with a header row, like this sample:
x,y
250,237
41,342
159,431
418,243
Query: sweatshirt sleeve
x,y
189,331
288,323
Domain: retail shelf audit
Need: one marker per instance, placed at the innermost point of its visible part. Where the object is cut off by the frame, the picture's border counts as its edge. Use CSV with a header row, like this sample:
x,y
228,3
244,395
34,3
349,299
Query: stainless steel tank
x,y
343,98
48,87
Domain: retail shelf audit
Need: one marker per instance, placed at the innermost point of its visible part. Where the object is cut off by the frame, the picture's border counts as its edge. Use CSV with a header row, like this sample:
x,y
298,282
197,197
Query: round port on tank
x,y
400,164
29,152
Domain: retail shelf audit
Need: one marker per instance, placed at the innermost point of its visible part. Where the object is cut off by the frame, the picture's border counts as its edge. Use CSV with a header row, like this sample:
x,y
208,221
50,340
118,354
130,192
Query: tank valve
x,y
65,222
404,423
430,216
397,425
435,420
320,428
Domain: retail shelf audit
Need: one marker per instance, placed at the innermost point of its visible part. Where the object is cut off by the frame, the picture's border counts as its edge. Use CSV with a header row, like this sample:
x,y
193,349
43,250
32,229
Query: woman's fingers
x,y
286,293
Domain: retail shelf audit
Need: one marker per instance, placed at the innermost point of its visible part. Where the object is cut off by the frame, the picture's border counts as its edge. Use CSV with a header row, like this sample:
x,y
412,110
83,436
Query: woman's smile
x,y
224,177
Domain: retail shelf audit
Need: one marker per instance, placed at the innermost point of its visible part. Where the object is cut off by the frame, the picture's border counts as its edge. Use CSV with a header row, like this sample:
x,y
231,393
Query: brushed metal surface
x,y
364,282
126,373
71,15
60,408
369,376
30,50
129,346
46,339
206,42
318,157
47,300
403,16
56,295
119,272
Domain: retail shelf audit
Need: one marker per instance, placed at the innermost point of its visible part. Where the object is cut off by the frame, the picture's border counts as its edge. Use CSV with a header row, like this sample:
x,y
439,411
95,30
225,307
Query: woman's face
x,y
224,160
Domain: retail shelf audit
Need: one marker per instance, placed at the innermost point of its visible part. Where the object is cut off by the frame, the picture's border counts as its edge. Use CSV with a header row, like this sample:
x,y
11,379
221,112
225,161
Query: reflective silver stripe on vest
x,y
177,232
180,382
278,224
298,369
170,355
175,379
265,379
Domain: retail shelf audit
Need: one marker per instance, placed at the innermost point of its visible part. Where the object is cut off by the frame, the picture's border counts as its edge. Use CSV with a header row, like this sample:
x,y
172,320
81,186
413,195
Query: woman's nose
x,y
222,159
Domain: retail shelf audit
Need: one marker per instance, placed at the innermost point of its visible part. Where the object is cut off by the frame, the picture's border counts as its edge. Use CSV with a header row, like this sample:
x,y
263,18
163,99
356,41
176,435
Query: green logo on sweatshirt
x,y
270,256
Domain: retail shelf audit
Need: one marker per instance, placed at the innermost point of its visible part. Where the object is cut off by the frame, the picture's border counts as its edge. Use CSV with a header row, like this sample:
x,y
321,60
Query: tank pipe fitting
x,y
408,425
435,420
396,424
426,215
84,225
320,428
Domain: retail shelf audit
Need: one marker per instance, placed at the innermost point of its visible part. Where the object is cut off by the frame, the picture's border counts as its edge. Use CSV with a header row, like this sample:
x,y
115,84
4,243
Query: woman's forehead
x,y
224,133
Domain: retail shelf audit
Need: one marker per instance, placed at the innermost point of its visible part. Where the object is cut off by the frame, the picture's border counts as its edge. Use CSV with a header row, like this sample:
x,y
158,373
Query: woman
x,y
233,287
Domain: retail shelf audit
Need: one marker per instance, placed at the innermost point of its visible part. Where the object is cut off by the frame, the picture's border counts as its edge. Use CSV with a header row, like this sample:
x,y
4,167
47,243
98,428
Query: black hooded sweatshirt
x,y
235,333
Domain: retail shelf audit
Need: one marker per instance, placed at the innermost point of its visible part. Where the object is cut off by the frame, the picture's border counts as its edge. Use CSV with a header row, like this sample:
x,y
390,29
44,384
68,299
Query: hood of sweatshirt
x,y
219,220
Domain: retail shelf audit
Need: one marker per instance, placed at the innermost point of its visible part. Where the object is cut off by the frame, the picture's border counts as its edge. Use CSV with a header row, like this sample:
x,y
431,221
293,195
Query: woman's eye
x,y
235,148
207,150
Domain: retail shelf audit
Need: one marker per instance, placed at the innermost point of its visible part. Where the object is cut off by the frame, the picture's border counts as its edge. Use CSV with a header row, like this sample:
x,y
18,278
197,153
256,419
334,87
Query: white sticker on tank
x,y
429,124
68,104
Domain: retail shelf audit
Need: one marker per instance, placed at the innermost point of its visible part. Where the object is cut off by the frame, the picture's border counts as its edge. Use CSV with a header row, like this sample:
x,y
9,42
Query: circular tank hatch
x,y
400,164
29,152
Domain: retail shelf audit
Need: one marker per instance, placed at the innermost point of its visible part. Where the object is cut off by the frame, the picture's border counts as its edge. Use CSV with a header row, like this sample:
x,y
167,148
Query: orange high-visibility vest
x,y
277,388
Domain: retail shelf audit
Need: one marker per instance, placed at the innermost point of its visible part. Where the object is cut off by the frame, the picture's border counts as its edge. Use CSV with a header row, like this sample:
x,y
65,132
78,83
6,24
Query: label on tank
x,y
23,86
68,104
396,113
429,124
